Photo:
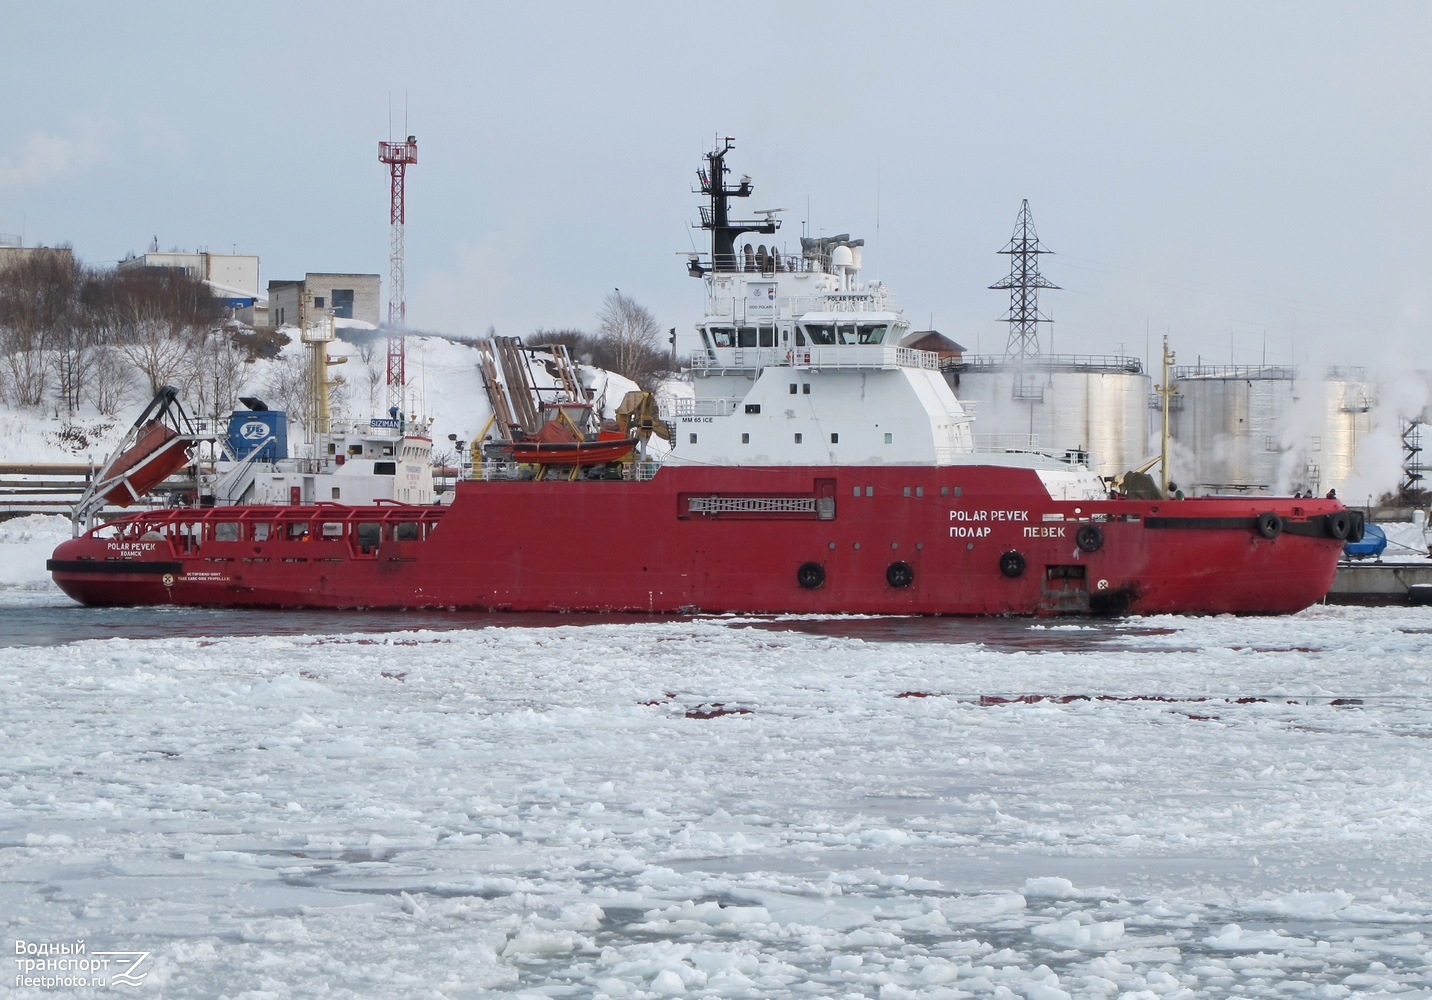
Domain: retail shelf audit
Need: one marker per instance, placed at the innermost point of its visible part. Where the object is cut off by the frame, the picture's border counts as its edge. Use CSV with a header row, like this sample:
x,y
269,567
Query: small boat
x,y
578,453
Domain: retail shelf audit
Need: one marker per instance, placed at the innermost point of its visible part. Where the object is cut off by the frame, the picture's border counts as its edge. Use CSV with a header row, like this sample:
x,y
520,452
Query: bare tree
x,y
37,298
71,334
220,369
375,367
159,317
112,386
287,388
580,345
630,341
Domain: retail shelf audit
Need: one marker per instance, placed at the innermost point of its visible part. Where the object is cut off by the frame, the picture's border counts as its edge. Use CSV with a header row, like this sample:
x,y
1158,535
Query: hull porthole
x,y
900,574
1011,564
811,575
1089,537
1270,525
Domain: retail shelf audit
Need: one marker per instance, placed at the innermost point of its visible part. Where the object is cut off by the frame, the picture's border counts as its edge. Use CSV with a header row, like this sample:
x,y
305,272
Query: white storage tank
x,y
1059,404
1262,429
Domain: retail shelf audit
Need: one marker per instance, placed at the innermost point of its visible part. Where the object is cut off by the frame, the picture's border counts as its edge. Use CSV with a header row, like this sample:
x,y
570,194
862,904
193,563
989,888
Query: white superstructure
x,y
363,463
799,362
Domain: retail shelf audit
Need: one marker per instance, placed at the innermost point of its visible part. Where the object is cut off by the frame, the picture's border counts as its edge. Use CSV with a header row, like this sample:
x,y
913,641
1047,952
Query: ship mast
x,y
716,216
1166,389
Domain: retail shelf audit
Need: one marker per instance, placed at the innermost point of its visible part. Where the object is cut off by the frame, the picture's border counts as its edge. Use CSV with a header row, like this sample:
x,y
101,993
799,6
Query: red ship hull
x,y
864,540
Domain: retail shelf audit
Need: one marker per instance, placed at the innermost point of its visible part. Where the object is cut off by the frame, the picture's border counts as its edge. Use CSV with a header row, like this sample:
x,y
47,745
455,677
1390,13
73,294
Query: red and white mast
x,y
397,155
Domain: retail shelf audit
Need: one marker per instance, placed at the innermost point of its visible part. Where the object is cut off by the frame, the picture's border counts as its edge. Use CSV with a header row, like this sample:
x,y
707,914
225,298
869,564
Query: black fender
x,y
811,575
1089,537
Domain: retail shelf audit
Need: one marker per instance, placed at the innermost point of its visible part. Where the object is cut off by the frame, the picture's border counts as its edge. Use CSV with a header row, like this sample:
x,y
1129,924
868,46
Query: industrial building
x,y
347,296
12,249
233,277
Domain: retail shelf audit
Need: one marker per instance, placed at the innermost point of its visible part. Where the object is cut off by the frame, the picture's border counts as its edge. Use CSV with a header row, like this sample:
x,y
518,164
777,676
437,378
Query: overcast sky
x,y
1253,179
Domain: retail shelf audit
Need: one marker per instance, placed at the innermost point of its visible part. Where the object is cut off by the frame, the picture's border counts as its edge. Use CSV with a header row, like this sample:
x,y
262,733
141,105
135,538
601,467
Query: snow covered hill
x,y
444,385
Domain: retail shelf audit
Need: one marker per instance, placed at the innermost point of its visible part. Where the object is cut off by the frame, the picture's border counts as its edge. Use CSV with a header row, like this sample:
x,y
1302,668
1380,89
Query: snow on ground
x,y
444,385
1209,807
1407,541
25,544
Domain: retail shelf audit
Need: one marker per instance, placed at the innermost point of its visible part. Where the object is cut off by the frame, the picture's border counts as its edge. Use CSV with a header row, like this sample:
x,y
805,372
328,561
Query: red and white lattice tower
x,y
397,155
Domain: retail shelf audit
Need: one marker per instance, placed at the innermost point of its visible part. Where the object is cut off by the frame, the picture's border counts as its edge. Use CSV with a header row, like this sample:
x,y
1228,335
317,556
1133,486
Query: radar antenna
x,y
716,216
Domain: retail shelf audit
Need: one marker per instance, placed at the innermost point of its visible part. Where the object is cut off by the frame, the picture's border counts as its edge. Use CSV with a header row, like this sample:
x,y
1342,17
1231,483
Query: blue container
x,y
264,431
1374,540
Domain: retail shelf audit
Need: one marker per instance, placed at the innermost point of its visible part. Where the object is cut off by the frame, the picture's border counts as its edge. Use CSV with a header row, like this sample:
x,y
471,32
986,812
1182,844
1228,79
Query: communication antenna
x,y
397,155
1024,283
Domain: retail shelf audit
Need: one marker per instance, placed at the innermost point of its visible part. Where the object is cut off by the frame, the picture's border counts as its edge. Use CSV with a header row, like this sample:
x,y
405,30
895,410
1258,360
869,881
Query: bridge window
x,y
746,336
723,336
821,333
873,334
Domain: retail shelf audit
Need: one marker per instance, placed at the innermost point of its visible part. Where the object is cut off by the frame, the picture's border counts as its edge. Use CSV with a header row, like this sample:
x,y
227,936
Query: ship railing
x,y
1042,362
886,356
1343,371
638,471
743,358
707,407
642,470
1271,372
491,471
772,264
1004,443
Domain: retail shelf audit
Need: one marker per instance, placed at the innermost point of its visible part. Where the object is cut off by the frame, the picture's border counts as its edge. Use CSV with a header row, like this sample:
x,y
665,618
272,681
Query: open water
x,y
63,623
